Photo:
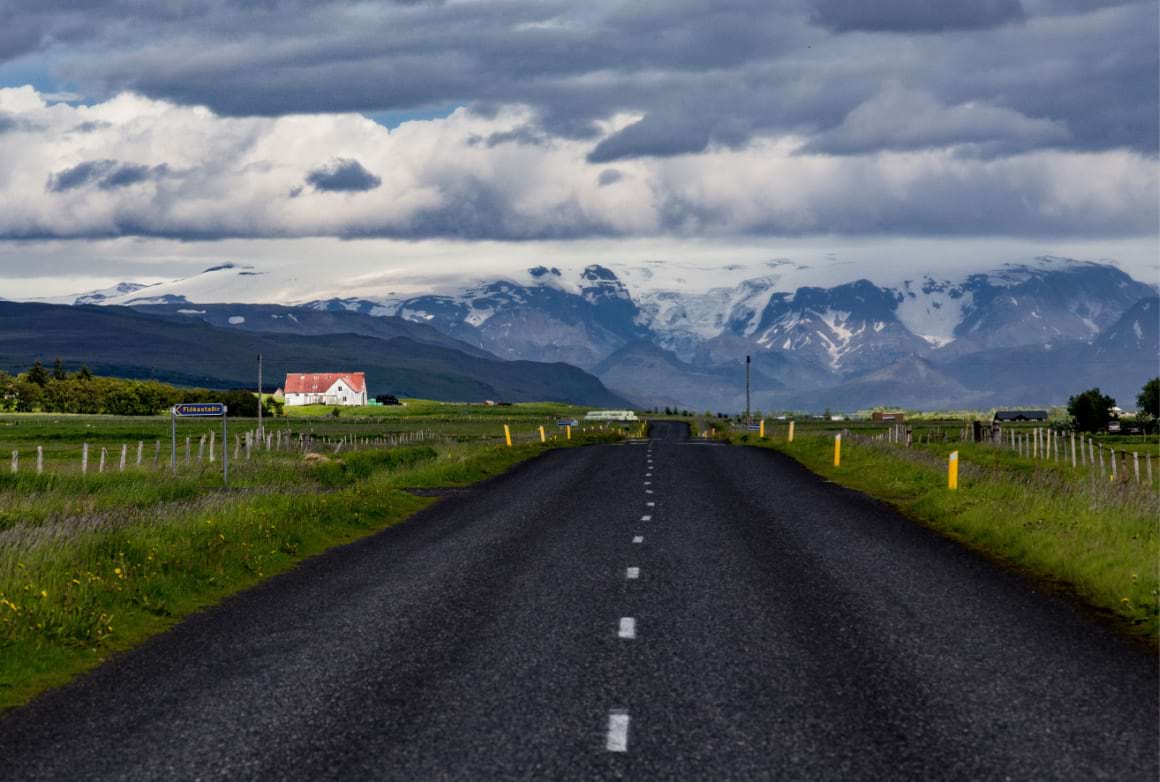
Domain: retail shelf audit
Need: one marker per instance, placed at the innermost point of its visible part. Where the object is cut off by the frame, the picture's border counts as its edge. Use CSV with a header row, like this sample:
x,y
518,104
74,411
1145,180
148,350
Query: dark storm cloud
x,y
654,135
609,176
343,176
524,134
105,174
914,15
698,73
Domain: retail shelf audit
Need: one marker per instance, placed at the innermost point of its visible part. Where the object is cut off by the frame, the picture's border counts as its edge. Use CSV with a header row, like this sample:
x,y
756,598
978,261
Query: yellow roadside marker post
x,y
568,429
953,470
837,450
790,438
507,435
761,431
543,439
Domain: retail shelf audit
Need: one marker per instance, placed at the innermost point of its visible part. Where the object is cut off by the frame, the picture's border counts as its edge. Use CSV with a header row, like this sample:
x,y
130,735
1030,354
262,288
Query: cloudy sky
x,y
140,139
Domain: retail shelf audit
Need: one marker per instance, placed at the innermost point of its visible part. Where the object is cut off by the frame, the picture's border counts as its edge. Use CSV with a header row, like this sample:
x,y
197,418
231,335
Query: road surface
x,y
658,610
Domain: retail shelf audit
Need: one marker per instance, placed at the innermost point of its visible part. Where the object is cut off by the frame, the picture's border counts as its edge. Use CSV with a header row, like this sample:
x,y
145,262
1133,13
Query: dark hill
x,y
124,342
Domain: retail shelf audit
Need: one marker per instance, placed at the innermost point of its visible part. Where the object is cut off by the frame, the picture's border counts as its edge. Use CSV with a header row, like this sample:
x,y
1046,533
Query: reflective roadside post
x,y
838,450
953,471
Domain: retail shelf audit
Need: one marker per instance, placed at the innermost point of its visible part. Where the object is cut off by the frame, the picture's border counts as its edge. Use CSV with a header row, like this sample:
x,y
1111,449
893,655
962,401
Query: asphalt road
x,y
781,628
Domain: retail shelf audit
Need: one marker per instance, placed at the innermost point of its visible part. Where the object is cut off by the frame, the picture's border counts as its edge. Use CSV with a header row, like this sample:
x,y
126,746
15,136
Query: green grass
x,y
415,408
92,565
1074,529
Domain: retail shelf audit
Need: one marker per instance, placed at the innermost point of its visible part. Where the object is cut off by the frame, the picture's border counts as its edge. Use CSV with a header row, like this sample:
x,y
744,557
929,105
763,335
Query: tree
x,y
1148,400
1148,403
58,372
28,395
1090,409
37,374
85,374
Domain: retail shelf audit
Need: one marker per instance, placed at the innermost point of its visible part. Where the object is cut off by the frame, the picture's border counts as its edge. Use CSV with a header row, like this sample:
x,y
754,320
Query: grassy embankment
x,y
1071,528
91,565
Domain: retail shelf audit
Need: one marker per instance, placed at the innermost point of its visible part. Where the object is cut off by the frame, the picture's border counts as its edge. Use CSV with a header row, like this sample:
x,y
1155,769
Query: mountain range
x,y
1013,334
398,357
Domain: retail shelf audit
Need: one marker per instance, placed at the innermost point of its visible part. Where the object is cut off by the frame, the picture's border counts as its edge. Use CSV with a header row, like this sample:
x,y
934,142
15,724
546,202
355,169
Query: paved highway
x,y
665,609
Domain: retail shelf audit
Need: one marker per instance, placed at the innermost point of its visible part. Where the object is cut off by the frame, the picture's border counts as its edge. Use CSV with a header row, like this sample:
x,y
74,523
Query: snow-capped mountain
x,y
804,337
102,296
577,321
845,328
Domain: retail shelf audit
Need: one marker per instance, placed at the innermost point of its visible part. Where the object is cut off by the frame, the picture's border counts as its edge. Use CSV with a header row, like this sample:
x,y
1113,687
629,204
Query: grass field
x,y
1074,529
93,564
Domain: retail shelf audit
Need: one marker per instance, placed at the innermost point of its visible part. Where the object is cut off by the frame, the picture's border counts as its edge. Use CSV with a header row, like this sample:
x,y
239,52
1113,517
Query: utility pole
x,y
748,419
261,433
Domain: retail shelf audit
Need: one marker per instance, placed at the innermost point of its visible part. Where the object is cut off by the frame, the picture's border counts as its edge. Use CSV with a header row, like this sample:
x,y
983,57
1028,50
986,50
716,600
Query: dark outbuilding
x,y
1021,415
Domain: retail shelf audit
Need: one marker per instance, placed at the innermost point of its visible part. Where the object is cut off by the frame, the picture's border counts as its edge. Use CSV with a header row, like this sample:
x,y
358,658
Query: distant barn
x,y
1020,415
896,418
325,388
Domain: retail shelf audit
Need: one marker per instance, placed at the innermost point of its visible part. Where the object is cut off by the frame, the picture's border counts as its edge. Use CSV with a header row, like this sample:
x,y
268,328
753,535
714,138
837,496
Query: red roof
x,y
320,382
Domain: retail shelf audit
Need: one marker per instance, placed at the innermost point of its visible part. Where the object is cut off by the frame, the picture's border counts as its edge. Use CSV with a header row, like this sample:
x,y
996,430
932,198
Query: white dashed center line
x,y
648,491
638,539
646,518
627,627
632,573
650,504
618,731
648,483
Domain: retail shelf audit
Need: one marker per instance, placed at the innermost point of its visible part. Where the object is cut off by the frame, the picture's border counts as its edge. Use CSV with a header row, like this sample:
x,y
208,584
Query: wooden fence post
x,y
187,438
1101,460
124,453
140,452
101,466
40,460
1073,450
1136,465
156,453
15,462
85,459
1113,453
211,446
1148,463
200,448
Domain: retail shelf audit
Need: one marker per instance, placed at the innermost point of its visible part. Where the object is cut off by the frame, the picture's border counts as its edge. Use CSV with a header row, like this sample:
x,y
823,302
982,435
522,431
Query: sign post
x,y
202,410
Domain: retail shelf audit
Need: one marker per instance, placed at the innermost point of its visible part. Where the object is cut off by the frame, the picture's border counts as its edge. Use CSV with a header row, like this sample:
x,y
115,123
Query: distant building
x,y
325,388
1020,415
894,418
611,415
279,395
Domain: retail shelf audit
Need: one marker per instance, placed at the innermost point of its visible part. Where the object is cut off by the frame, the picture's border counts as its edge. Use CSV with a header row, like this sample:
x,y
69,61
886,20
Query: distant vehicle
x,y
610,415
387,399
1113,426
567,422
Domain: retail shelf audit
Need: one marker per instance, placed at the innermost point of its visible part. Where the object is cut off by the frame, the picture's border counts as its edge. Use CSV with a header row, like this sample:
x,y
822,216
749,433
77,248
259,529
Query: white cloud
x,y
214,177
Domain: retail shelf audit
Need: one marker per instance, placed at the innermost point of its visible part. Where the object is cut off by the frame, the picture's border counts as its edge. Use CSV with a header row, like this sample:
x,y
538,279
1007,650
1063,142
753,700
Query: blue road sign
x,y
567,422
754,427
199,409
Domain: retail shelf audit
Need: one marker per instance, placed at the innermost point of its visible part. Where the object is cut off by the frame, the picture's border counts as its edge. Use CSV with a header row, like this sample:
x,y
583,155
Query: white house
x,y
325,388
